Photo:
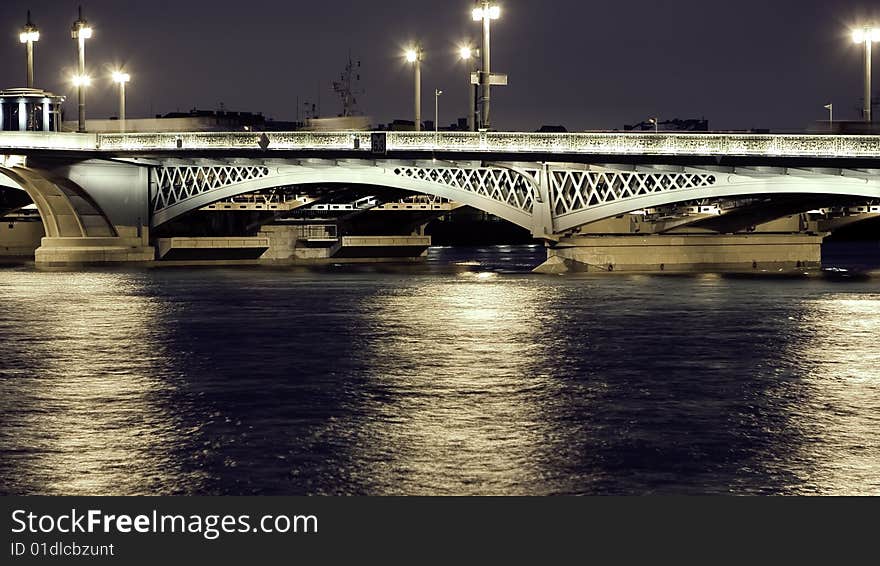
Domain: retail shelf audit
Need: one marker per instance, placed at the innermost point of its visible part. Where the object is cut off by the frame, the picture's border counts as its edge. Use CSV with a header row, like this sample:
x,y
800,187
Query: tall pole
x,y
467,55
81,32
30,64
487,70
868,41
417,66
122,106
81,89
437,93
29,35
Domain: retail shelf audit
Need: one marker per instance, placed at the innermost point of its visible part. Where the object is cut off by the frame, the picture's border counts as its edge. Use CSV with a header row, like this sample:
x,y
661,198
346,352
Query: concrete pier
x,y
685,253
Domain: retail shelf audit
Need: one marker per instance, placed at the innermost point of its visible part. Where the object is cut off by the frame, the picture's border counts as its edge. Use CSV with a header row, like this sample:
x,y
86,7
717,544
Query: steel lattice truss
x,y
502,185
573,191
175,184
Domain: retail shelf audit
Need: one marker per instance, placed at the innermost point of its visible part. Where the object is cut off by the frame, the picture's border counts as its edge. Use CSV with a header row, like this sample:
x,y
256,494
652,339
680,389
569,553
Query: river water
x,y
464,376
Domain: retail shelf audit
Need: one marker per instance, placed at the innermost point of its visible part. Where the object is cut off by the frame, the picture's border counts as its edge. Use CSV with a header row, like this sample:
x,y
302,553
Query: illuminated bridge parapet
x,y
495,143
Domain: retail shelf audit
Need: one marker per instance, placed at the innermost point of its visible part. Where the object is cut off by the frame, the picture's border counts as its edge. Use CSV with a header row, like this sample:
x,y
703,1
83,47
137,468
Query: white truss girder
x,y
548,199
575,190
175,184
502,185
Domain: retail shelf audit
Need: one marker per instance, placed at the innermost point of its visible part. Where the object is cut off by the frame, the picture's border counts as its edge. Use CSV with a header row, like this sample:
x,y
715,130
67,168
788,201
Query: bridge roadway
x,y
107,186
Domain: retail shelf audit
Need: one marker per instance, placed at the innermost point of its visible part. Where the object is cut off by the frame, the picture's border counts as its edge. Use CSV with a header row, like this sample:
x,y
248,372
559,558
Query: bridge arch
x,y
512,202
725,186
66,209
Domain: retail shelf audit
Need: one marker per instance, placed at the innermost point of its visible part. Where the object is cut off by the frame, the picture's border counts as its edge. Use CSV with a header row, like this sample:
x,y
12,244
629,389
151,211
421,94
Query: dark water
x,y
447,379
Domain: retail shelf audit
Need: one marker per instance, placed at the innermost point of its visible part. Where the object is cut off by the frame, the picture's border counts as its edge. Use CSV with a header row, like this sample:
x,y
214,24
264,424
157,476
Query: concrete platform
x,y
211,248
59,252
685,253
381,246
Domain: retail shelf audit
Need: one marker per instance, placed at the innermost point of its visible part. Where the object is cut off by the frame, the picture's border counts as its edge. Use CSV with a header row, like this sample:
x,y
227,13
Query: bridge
x,y
594,198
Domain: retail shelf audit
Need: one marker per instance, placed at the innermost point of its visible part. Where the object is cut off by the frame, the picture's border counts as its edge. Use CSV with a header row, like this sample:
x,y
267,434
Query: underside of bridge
x,y
593,217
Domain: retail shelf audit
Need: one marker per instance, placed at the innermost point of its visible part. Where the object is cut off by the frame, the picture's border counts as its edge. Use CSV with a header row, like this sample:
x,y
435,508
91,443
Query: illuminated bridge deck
x,y
362,144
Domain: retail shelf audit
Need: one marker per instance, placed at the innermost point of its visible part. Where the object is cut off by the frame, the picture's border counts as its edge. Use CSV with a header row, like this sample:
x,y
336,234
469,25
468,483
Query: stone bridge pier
x,y
92,211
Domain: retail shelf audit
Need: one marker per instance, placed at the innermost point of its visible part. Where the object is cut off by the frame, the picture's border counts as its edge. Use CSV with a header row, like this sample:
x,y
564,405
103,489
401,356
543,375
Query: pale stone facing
x,y
690,253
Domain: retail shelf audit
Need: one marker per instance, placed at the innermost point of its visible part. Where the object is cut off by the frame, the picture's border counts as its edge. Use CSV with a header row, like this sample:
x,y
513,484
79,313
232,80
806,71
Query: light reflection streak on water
x,y
841,353
95,418
458,401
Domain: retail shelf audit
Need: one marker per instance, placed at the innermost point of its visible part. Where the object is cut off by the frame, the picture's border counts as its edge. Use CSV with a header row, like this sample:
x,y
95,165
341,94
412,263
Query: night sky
x,y
582,64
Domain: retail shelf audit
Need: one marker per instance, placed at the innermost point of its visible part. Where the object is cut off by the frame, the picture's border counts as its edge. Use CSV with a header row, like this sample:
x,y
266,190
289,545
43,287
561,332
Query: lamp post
x,y
437,93
81,31
830,109
121,78
485,13
867,35
656,122
467,54
29,35
414,56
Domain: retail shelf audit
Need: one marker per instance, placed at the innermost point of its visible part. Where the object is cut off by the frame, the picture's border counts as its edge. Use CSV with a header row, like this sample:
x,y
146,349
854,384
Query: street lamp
x,y
121,78
81,31
437,93
81,81
485,13
656,122
867,35
414,55
29,35
468,54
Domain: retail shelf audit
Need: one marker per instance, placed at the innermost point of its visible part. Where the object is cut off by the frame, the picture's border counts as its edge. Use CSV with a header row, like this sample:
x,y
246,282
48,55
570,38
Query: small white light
x,y
82,80
875,34
465,53
120,77
494,12
858,36
85,33
412,55
477,14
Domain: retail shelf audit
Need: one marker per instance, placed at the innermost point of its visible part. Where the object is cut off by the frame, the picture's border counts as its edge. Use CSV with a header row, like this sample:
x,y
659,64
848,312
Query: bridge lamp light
x,y
867,35
28,36
121,78
81,81
414,55
486,12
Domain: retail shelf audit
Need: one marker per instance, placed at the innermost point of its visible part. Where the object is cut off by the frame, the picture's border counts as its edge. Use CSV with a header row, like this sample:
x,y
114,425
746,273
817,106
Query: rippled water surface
x,y
467,376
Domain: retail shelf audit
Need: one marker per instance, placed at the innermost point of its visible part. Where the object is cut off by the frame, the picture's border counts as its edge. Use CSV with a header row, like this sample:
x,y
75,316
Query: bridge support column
x,y
542,215
686,253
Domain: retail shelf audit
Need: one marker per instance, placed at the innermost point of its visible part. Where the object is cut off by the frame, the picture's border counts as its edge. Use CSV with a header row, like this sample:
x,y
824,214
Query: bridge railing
x,y
231,141
602,143
767,145
47,140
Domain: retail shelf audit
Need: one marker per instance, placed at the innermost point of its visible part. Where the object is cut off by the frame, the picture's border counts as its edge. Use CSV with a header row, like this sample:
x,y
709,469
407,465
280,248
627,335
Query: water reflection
x,y
456,393
841,357
85,399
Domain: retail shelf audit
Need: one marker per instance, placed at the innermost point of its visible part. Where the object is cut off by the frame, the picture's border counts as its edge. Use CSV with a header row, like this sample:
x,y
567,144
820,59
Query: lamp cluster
x,y
480,79
81,31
